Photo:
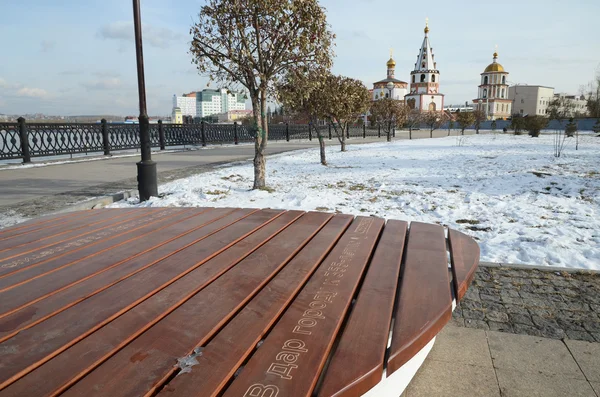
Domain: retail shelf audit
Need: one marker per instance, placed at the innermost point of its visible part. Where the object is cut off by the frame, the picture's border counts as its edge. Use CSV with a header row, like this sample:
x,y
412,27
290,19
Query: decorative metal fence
x,y
23,140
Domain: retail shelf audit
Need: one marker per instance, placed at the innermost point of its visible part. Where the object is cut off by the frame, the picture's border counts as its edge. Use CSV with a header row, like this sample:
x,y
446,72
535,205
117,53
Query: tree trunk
x,y
389,132
431,132
321,147
409,133
260,142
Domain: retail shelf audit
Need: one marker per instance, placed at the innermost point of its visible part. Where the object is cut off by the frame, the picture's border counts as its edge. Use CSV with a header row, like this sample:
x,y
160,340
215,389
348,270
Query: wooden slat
x,y
173,337
28,351
213,256
76,228
39,255
232,345
42,223
357,363
294,353
464,257
64,289
103,249
425,300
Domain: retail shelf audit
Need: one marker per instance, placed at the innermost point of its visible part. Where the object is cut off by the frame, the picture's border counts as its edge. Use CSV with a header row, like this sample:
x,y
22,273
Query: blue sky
x,y
78,57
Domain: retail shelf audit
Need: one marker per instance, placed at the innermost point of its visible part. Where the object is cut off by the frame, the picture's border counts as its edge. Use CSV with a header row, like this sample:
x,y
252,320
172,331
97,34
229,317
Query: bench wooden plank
x,y
65,289
41,255
45,222
41,222
173,337
230,245
232,345
52,232
424,297
76,229
464,257
26,351
353,371
104,250
299,344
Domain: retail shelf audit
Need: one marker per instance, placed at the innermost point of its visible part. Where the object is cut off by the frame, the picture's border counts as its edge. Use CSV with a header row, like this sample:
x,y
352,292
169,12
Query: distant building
x,y
176,116
578,103
233,115
380,89
458,108
530,99
208,102
493,96
424,92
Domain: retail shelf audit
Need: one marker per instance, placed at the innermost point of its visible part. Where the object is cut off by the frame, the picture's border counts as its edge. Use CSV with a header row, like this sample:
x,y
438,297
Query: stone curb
x,y
541,268
98,202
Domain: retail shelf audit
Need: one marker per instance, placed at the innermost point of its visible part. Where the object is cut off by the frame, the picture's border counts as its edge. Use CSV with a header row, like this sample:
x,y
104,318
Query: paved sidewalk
x,y
477,363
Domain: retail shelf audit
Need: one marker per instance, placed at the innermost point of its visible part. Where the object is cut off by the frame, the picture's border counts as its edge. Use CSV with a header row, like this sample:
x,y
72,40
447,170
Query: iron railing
x,y
23,140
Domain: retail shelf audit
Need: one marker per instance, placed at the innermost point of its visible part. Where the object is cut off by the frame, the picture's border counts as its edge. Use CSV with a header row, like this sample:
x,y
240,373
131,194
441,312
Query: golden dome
x,y
494,67
391,63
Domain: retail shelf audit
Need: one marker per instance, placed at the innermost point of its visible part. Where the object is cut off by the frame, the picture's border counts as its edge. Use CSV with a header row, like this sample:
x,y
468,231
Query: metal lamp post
x,y
146,168
390,86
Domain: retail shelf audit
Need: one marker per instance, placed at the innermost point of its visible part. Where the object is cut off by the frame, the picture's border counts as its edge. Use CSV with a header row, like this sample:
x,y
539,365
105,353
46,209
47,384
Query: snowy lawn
x,y
509,192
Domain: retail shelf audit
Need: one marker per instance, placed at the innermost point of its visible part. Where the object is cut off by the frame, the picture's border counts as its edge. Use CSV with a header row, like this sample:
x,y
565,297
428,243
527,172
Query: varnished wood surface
x,y
208,302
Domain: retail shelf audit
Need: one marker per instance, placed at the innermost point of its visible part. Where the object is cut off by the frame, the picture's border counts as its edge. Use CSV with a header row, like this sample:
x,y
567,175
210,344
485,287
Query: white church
x,y
424,94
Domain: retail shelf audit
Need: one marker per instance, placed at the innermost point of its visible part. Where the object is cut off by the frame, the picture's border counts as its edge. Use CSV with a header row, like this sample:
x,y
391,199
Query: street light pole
x,y
390,86
146,168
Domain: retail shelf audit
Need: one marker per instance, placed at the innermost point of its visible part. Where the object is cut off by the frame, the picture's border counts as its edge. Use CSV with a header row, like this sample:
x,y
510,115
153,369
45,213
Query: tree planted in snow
x,y
535,124
307,93
559,109
347,99
433,121
413,120
254,43
479,117
465,120
389,113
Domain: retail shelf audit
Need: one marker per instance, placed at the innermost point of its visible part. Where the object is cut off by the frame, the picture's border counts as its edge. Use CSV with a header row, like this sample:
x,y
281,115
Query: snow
x,y
520,203
10,218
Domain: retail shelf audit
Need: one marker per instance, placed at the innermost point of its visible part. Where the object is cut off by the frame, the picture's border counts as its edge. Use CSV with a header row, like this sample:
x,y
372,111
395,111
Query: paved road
x,y
18,185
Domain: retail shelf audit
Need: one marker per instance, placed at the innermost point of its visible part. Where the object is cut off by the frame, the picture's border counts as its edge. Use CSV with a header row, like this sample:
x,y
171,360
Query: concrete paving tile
x,y
587,356
519,384
532,354
439,378
462,346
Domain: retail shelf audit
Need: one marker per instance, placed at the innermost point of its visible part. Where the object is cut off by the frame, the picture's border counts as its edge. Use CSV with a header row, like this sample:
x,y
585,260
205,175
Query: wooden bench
x,y
232,302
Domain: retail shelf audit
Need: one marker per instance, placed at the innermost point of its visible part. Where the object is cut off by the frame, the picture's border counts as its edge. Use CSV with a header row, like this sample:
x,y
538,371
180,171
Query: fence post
x,y
329,125
24,140
287,132
309,132
161,135
347,131
105,140
203,133
378,130
235,133
364,131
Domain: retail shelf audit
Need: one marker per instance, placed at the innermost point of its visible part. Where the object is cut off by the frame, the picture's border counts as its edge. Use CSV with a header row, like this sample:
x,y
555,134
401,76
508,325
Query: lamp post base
x,y
147,181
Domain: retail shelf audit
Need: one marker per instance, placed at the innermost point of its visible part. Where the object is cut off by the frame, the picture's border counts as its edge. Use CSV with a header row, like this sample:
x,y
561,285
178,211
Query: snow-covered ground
x,y
521,204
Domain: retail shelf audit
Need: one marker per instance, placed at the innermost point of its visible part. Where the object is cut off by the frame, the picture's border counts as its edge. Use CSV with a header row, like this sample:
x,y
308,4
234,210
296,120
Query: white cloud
x,y
103,84
153,35
32,92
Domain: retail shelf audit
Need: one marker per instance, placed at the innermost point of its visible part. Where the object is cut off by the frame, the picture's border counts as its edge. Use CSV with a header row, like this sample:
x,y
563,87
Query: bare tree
x,y
591,93
413,120
479,117
254,43
308,94
346,99
433,120
465,120
559,109
389,113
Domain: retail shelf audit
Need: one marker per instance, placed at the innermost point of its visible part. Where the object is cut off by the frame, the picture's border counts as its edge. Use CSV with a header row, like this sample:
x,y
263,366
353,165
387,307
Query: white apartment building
x,y
578,103
530,99
211,102
187,105
208,102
